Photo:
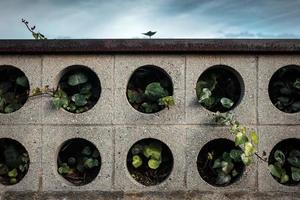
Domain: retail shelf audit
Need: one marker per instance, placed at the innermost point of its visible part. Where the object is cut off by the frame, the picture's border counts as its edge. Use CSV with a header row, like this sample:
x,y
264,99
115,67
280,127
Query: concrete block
x,y
102,112
172,136
30,138
267,66
30,113
244,65
197,137
55,136
269,137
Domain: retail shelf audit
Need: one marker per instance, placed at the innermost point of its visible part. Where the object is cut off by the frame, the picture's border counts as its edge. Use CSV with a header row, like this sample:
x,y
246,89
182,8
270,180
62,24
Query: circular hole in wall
x,y
284,89
219,88
78,161
14,161
146,86
284,162
14,89
82,87
219,164
150,161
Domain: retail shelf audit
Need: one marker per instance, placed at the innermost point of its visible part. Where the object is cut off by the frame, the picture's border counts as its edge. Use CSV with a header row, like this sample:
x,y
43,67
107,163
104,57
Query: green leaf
x,y
90,163
134,96
226,103
3,169
227,167
86,88
86,151
64,169
285,178
60,99
149,108
79,99
154,164
240,139
136,161
209,83
279,157
254,137
249,149
296,84
22,81
226,157
152,150
166,101
76,79
275,171
13,173
217,164
294,158
234,173
13,181
10,108
204,95
223,178
235,154
295,174
155,91
246,159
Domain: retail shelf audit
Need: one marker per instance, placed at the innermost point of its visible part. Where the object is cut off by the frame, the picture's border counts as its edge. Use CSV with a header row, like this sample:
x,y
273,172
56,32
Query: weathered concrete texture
x,y
55,136
102,112
125,65
244,65
267,112
30,113
172,136
30,138
269,137
197,137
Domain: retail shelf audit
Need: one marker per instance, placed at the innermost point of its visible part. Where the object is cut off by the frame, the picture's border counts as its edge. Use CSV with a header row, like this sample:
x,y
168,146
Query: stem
x,y
261,158
24,22
41,94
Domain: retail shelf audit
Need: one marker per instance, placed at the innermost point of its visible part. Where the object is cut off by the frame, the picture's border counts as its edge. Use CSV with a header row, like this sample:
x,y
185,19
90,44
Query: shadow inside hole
x,y
14,161
217,147
14,89
286,146
284,92
75,155
144,174
142,77
93,80
229,84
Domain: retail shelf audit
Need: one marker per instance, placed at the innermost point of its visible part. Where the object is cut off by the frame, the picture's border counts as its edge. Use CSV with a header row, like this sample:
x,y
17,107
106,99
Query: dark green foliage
x,y
284,89
79,164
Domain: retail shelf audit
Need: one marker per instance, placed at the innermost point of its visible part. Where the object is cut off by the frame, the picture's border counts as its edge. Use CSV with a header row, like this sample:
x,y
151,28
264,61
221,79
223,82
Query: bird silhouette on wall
x,y
149,33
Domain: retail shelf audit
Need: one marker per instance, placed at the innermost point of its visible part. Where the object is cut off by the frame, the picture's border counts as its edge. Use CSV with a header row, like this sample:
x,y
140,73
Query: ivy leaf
x,y
154,164
223,178
22,81
134,96
79,99
90,163
217,164
166,101
240,139
205,94
254,137
275,171
86,88
227,167
155,91
152,151
295,174
279,157
226,103
77,79
149,108
13,173
136,161
60,99
249,149
235,154
294,158
246,159
296,84
86,151
64,169
285,178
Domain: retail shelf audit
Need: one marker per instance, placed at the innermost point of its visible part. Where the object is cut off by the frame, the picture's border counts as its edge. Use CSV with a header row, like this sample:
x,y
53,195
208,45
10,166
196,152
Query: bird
x,y
149,33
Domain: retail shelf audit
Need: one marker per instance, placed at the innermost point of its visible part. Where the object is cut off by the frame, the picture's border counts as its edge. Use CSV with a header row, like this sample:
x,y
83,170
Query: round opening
x,y
14,161
147,87
149,161
284,162
219,88
219,162
14,89
284,89
78,161
82,88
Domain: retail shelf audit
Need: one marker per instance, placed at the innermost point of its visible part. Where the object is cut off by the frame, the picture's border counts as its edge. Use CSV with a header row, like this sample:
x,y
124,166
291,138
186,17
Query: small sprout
x,y
226,103
154,164
13,173
137,161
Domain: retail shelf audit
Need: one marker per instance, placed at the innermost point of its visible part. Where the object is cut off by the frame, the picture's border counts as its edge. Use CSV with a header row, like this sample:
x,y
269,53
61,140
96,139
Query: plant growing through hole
x,y
286,166
76,167
225,165
78,102
35,35
151,99
151,152
209,97
13,93
14,166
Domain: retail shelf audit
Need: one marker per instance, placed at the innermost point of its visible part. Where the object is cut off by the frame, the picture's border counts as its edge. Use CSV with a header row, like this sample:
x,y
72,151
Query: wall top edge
x,y
143,46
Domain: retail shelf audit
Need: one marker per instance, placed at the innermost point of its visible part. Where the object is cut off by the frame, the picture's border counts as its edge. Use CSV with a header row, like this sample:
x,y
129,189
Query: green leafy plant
x,y
150,100
76,167
151,152
35,35
286,167
14,92
14,166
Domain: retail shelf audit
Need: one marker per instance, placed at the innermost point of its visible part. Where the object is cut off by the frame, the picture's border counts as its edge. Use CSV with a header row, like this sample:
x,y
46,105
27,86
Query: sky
x,y
84,19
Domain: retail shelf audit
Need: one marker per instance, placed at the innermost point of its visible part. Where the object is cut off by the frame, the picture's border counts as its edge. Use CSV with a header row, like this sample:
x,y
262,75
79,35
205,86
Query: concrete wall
x,y
113,126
